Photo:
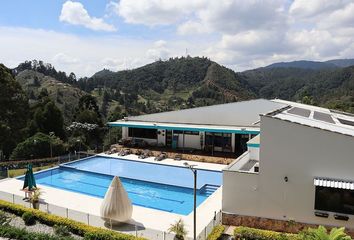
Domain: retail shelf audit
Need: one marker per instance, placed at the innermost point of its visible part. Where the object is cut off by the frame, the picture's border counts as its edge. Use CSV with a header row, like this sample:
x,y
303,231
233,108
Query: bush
x,y
10,232
4,219
29,218
247,233
81,229
61,230
216,233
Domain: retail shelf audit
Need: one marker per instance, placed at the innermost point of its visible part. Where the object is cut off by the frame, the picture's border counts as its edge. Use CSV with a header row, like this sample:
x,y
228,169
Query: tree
x,y
38,146
14,111
48,118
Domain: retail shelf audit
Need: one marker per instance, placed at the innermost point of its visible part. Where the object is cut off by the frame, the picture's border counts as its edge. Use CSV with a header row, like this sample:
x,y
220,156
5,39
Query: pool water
x,y
156,186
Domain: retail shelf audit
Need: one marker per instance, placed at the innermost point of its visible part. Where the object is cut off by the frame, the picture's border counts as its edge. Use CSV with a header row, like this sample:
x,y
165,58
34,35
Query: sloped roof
x,y
317,117
238,114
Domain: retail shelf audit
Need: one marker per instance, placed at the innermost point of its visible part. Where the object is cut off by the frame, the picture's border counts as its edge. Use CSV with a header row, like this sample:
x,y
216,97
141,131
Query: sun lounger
x,y
124,152
161,156
178,157
146,153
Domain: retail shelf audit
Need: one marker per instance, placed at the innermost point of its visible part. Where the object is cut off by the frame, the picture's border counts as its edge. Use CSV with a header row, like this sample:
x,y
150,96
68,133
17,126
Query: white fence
x,y
92,220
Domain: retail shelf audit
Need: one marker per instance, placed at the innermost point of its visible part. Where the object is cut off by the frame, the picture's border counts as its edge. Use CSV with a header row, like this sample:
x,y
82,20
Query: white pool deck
x,y
144,217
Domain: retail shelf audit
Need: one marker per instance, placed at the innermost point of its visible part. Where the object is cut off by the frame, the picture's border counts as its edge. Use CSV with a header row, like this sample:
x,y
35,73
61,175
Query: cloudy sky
x,y
85,36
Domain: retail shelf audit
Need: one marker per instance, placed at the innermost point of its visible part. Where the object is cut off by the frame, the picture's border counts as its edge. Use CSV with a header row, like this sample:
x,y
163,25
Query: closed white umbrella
x,y
116,205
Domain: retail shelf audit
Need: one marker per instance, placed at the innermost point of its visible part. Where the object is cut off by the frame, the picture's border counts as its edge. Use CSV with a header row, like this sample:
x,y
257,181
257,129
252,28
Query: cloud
x,y
74,13
85,55
159,51
62,58
156,12
315,8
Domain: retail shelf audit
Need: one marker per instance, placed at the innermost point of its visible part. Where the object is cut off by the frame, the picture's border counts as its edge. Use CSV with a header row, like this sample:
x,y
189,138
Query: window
x,y
142,133
186,132
334,200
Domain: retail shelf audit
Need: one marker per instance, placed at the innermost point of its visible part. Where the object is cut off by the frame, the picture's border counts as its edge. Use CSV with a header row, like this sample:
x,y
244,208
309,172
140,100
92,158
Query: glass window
x,y
142,133
334,200
186,132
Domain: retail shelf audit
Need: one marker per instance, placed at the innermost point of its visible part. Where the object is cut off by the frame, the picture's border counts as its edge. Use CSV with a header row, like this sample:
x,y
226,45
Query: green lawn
x,y
22,171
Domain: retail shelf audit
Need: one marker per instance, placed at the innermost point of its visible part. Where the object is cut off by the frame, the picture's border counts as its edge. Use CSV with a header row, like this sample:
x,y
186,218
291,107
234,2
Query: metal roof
x,y
237,114
319,117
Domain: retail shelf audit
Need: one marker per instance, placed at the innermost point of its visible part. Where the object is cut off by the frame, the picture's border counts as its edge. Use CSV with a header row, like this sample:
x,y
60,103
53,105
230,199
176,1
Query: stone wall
x,y
270,224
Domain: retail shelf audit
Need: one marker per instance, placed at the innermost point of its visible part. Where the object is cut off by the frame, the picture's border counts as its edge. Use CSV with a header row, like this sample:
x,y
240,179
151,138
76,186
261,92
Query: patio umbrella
x,y
30,181
116,205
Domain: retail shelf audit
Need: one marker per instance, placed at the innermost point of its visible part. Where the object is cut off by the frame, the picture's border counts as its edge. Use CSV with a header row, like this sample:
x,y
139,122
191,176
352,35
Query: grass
x,y
22,171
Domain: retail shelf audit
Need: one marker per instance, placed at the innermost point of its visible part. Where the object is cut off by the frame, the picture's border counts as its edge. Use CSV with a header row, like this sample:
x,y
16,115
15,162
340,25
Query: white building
x,y
218,128
300,168
295,161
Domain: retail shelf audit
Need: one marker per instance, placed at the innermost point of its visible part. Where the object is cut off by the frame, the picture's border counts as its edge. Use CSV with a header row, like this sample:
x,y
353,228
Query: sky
x,y
85,36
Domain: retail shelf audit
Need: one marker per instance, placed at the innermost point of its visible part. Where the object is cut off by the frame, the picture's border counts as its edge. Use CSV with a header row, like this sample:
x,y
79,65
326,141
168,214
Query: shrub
x,y
247,233
179,229
61,230
216,233
321,233
10,232
29,218
4,219
81,229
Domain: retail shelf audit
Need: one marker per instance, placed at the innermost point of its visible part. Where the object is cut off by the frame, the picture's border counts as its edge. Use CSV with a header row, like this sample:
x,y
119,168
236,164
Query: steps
x,y
209,189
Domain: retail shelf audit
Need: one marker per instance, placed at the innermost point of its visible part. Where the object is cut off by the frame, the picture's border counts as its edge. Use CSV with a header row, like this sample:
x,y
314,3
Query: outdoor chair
x,y
161,156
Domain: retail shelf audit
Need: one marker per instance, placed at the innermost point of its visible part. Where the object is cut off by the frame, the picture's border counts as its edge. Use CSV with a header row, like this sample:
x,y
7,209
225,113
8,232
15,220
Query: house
x,y
224,128
300,168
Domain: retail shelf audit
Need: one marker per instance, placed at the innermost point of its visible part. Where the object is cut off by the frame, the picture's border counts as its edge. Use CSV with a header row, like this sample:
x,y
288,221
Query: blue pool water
x,y
156,186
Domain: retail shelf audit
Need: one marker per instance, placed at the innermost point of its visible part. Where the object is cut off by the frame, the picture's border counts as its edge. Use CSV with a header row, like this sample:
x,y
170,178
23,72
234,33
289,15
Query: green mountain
x,y
332,88
167,85
315,65
65,96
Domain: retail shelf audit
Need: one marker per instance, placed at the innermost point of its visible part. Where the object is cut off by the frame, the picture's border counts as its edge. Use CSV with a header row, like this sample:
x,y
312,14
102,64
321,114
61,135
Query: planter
x,y
35,205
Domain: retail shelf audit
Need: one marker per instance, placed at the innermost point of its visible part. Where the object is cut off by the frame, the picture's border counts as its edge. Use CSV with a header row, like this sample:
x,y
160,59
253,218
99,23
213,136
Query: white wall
x,y
300,153
125,133
254,152
161,137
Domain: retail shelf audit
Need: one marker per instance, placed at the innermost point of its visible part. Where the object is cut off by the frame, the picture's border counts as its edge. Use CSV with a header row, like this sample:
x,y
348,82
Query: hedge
x,y
216,233
246,233
78,228
11,232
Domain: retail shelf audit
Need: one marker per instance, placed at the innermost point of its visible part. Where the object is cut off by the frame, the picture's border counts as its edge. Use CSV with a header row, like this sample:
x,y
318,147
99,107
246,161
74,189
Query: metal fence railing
x,y
5,166
97,221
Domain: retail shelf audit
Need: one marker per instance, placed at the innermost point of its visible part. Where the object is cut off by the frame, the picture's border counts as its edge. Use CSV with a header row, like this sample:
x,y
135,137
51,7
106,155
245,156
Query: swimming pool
x,y
157,186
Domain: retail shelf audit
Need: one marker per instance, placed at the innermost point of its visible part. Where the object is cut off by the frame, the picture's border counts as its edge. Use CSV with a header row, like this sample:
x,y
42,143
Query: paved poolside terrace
x,y
144,218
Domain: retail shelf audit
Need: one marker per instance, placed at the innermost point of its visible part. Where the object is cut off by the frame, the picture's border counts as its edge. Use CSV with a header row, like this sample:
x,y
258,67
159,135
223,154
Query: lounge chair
x,y
178,157
124,152
161,156
146,153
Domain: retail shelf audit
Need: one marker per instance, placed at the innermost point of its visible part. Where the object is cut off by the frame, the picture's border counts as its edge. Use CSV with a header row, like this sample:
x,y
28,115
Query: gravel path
x,y
38,227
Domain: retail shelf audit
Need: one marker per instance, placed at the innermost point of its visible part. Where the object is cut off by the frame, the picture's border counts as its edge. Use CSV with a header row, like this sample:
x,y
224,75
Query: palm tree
x,y
320,233
179,229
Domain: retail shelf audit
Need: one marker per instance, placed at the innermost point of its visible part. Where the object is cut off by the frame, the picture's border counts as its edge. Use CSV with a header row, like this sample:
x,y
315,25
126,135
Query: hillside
x,y
333,88
167,85
315,65
65,96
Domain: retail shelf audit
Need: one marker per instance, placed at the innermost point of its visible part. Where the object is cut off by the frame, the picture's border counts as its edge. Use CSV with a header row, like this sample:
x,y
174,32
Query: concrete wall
x,y
240,193
254,152
300,153
161,137
125,133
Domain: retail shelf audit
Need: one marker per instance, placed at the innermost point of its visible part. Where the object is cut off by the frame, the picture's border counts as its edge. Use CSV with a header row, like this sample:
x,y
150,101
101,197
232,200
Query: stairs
x,y
209,189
